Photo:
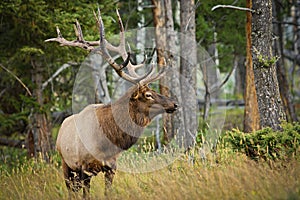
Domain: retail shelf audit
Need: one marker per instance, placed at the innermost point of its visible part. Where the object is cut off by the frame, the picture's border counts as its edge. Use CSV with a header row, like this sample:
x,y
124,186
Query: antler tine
x,y
153,77
118,49
109,59
122,50
132,75
78,31
59,35
131,68
103,42
79,42
122,47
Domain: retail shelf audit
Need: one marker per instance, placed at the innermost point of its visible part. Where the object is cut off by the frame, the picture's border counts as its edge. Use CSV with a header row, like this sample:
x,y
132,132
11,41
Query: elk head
x,y
149,101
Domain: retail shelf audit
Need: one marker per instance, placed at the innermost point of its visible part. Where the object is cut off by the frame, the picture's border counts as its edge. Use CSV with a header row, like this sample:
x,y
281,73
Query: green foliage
x,y
24,27
229,27
13,160
266,144
267,62
8,123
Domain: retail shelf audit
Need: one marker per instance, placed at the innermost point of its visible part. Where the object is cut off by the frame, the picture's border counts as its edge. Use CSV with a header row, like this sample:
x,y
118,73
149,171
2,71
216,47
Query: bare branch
x,y
17,78
2,92
63,67
217,87
232,7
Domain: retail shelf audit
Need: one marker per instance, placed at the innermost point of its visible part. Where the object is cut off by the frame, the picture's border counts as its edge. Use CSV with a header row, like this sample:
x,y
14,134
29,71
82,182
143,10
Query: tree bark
x,y
267,89
188,70
251,114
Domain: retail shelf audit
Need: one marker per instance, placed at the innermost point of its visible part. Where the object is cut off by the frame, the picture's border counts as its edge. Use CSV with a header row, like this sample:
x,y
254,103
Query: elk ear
x,y
135,94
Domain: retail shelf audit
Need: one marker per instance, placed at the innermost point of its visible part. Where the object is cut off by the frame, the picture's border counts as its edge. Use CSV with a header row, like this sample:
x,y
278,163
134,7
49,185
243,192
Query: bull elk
x,y
89,142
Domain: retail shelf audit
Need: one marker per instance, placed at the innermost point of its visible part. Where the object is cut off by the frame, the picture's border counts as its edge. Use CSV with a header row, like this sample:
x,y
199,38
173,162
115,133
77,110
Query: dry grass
x,y
236,177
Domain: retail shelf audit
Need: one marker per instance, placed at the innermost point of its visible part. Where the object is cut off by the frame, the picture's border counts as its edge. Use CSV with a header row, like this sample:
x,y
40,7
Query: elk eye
x,y
148,95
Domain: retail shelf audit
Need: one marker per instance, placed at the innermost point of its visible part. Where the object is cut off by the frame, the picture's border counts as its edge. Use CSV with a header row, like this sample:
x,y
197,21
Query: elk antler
x,y
103,46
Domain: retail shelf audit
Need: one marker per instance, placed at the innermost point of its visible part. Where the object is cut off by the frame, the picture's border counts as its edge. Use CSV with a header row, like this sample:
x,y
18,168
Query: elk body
x,y
89,142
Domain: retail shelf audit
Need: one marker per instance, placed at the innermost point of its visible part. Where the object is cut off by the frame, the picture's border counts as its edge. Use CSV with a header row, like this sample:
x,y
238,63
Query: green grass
x,y
234,176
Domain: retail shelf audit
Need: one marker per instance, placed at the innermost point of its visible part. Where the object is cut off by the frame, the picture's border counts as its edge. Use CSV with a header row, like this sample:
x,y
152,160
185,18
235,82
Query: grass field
x,y
233,176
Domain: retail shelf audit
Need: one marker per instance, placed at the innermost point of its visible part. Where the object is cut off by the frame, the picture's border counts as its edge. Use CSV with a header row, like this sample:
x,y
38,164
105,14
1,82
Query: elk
x,y
90,141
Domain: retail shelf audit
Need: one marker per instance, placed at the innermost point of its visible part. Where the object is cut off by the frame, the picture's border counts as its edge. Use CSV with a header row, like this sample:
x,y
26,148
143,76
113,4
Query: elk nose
x,y
175,105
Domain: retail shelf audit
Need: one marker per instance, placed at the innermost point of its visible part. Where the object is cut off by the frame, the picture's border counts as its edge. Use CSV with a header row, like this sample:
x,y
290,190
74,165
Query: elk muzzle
x,y
165,104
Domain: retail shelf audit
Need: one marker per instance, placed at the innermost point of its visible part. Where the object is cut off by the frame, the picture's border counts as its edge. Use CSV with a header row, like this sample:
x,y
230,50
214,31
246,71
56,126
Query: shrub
x,y
265,144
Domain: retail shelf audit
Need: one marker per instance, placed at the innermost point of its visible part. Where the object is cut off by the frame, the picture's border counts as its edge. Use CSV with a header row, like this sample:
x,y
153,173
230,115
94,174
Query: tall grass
x,y
234,176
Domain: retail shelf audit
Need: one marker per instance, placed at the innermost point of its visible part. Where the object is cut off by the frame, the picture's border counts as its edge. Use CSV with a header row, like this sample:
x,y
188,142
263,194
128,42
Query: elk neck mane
x,y
122,121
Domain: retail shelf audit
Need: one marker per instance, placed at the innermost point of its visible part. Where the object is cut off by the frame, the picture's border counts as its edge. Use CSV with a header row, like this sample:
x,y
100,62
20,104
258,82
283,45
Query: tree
x,y
188,69
267,89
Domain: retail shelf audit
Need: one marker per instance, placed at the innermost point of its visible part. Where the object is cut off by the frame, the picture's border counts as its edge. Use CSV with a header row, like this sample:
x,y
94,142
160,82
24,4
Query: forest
x,y
229,69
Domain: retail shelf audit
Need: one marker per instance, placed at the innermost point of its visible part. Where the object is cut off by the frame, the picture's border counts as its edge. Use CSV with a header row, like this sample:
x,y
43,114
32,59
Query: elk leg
x,y
67,175
86,183
109,175
71,178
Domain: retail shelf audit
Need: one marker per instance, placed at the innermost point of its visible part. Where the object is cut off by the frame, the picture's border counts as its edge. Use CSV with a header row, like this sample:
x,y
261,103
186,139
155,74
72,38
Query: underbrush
x,y
265,144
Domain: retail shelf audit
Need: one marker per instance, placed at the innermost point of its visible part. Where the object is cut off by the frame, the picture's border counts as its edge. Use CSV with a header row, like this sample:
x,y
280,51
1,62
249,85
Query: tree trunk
x,y
160,33
39,140
188,70
174,82
267,90
141,32
251,114
286,96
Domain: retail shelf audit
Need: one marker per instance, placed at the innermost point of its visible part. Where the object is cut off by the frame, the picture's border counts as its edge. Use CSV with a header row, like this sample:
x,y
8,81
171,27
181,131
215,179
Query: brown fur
x,y
115,127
